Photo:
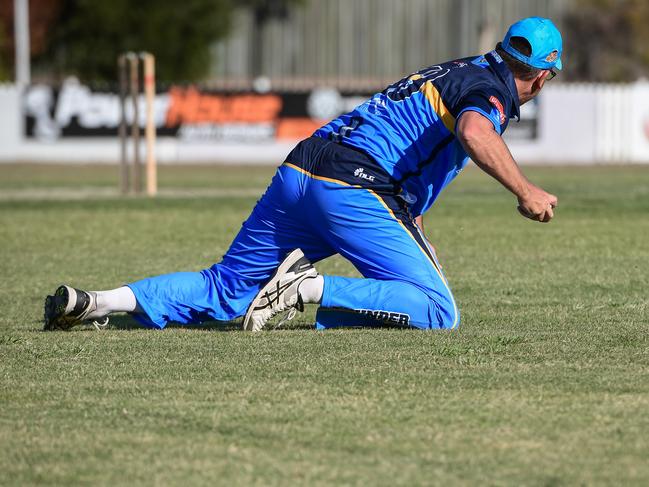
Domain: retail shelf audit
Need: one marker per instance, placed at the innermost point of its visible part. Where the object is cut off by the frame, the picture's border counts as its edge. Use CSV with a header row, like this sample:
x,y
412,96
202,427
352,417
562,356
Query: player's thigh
x,y
274,228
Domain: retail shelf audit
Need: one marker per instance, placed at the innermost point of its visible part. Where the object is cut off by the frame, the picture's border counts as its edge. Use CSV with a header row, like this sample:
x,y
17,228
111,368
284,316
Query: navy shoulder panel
x,y
473,84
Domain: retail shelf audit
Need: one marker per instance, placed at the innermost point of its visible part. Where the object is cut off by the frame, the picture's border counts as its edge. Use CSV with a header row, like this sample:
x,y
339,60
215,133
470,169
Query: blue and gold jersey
x,y
409,128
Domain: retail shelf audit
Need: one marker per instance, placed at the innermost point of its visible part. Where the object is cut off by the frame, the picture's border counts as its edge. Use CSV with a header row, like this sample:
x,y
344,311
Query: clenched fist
x,y
537,204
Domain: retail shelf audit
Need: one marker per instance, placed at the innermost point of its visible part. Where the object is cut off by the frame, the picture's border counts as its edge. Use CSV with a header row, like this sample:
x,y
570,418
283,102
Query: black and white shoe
x,y
70,307
281,292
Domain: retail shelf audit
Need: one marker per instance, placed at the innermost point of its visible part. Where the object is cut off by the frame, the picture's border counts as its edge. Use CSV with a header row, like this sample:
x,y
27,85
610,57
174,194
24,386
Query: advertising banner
x,y
186,112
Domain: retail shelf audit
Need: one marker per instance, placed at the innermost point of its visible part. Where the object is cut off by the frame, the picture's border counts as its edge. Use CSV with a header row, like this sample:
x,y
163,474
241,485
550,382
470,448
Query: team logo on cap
x,y
499,106
552,57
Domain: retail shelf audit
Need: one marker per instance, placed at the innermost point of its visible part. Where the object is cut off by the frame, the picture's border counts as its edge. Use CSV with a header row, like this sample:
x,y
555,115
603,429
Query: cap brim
x,y
559,65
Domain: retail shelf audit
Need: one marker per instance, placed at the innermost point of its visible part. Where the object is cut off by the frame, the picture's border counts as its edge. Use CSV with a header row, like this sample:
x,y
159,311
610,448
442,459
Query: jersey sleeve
x,y
490,104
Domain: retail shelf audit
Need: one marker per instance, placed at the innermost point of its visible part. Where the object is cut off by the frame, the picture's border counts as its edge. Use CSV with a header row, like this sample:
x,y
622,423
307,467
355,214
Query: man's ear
x,y
539,81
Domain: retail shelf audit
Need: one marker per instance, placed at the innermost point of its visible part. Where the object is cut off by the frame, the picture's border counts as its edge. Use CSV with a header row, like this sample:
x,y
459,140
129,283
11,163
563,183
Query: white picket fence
x,y
591,123
622,122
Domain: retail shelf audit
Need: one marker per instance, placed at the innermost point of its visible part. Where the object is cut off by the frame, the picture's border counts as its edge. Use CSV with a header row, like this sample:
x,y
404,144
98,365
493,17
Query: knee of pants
x,y
434,310
448,315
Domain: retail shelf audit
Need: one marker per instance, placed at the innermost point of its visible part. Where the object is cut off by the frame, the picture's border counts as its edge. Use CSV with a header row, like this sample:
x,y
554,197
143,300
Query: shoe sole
x,y
54,311
286,264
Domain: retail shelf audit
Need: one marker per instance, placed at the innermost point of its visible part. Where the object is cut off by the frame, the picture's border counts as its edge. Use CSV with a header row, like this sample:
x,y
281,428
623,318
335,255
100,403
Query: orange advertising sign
x,y
190,106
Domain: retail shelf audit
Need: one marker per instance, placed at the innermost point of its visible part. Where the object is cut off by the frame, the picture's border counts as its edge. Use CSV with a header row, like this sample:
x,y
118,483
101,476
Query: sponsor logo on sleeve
x,y
499,106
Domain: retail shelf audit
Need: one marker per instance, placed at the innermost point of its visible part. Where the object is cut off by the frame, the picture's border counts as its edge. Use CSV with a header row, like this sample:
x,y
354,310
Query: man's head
x,y
532,49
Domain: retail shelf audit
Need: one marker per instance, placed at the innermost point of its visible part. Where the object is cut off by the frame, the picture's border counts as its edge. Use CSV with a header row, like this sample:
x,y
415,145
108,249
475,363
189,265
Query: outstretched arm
x,y
489,151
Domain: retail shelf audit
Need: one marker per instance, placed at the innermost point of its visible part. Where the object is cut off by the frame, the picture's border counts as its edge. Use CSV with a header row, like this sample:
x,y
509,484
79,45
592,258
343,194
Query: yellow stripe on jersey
x,y
435,99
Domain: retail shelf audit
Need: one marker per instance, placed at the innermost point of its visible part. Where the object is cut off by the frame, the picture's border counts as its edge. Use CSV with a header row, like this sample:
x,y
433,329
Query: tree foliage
x,y
90,34
607,40
43,14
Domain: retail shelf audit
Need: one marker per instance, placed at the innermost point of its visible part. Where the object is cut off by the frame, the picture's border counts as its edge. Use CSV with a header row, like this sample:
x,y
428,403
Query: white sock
x,y
311,289
115,300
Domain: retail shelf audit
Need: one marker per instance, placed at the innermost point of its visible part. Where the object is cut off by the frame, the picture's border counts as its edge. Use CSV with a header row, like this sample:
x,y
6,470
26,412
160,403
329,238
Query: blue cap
x,y
543,36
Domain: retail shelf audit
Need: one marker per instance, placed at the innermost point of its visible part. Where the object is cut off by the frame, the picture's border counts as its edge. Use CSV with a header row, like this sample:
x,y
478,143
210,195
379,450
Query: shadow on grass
x,y
128,323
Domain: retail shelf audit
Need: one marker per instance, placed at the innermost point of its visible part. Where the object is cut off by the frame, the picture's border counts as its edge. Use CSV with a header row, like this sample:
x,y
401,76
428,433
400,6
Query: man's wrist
x,y
523,192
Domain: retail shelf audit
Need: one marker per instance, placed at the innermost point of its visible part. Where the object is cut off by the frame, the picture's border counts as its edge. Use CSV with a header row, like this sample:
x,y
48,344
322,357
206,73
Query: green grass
x,y
545,383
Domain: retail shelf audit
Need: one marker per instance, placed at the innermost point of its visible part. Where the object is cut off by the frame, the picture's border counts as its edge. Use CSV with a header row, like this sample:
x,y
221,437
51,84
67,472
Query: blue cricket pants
x,y
325,199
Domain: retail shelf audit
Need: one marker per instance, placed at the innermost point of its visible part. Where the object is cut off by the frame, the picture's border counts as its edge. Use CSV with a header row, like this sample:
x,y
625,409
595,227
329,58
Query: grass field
x,y
545,383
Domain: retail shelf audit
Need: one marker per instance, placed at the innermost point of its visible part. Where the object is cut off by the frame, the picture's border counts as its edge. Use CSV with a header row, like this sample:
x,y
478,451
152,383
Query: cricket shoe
x,y
70,307
281,292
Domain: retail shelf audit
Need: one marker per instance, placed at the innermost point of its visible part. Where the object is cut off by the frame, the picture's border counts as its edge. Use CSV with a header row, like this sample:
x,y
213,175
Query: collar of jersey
x,y
505,75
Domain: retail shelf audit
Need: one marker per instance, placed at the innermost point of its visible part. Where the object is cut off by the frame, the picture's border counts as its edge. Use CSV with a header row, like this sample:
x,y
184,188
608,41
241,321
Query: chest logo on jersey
x,y
360,173
499,106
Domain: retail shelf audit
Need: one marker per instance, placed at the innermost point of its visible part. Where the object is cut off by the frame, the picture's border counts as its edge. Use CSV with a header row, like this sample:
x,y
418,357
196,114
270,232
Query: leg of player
x,y
404,283
373,302
352,301
356,301
225,291
222,292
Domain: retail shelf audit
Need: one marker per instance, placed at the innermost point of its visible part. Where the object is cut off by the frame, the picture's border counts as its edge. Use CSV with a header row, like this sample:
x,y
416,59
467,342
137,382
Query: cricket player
x,y
358,187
